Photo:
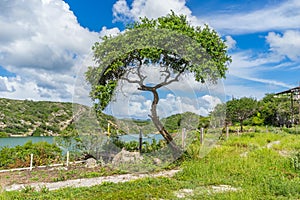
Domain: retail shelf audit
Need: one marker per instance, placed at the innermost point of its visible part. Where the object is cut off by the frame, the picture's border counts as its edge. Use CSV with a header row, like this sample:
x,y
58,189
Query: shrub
x,y
295,161
19,156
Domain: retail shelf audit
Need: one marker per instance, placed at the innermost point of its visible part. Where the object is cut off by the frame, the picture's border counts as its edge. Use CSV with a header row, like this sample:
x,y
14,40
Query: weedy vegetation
x,y
249,166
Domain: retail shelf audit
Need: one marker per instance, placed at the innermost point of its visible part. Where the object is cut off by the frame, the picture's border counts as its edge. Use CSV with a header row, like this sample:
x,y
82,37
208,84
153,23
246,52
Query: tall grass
x,y
245,162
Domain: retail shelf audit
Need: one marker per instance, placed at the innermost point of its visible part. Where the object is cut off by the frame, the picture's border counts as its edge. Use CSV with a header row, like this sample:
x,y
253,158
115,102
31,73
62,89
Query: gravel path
x,y
87,182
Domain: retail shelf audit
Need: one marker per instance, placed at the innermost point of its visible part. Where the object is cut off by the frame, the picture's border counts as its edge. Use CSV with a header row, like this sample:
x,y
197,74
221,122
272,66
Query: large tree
x,y
171,44
240,109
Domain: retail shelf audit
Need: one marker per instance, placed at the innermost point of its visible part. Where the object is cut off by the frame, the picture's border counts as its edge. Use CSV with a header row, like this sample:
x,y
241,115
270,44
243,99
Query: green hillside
x,y
34,118
44,118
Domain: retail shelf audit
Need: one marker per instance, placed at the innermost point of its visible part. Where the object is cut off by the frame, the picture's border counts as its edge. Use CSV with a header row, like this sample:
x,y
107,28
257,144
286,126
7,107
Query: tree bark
x,y
176,151
241,125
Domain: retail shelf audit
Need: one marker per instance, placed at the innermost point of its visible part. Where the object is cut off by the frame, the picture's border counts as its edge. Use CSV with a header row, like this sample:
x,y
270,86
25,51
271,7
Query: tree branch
x,y
138,73
166,82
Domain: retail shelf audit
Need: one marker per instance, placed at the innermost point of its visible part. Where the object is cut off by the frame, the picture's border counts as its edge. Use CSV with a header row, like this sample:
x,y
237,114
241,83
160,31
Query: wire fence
x,y
67,163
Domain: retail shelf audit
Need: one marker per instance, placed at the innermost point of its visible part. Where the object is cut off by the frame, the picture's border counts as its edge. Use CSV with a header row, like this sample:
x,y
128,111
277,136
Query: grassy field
x,y
249,166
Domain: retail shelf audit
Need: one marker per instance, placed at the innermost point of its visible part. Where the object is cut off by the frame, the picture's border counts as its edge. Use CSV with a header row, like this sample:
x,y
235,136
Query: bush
x,y
19,156
134,145
295,161
3,134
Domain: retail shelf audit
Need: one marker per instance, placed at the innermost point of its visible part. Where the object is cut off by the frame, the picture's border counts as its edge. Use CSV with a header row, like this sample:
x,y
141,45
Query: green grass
x,y
243,162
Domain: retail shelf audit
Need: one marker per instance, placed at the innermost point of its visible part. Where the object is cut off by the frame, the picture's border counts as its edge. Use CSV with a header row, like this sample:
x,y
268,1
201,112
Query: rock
x,y
157,161
224,188
91,163
126,157
273,143
245,154
183,193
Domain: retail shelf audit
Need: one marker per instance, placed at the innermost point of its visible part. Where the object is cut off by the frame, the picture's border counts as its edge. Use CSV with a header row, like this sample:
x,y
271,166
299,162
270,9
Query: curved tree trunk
x,y
241,126
176,151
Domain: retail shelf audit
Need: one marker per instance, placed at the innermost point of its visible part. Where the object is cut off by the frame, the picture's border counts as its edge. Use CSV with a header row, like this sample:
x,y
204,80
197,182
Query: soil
x,y
75,176
50,174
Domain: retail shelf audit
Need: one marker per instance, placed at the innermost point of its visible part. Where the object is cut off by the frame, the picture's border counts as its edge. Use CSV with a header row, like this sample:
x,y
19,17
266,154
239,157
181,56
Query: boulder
x,y
91,163
126,157
157,161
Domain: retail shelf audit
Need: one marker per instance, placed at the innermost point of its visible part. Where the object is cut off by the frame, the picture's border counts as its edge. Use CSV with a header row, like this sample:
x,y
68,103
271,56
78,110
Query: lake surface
x,y
14,141
135,137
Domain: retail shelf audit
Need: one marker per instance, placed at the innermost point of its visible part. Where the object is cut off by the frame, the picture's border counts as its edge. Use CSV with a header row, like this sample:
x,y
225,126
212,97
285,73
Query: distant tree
x,y
218,116
238,110
268,109
276,110
168,42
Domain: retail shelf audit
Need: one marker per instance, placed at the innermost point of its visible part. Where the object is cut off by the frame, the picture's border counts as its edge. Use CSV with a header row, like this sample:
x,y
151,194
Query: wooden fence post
x,y
183,138
68,157
227,132
201,135
31,161
140,141
108,129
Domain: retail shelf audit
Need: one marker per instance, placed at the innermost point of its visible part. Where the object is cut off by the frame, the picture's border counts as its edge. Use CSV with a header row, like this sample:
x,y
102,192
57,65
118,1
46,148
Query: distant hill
x,y
26,117
44,118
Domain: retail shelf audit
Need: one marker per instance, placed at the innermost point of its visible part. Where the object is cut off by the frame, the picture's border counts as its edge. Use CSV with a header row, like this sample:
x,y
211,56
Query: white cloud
x,y
175,98
18,88
43,44
287,44
149,8
109,32
250,66
51,36
3,86
121,11
138,106
230,42
279,17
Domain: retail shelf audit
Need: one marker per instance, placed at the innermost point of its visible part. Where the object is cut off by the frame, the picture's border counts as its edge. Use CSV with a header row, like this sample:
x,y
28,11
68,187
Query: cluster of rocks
x,y
123,157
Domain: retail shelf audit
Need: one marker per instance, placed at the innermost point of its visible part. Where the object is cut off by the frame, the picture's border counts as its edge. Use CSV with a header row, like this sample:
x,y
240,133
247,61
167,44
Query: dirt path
x,y
87,182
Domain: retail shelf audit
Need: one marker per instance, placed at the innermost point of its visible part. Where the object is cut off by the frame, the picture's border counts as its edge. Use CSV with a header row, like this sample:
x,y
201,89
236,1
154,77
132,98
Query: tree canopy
x,y
168,42
240,109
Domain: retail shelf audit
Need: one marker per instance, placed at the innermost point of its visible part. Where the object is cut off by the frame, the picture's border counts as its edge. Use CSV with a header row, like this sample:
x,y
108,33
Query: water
x,y
14,141
135,137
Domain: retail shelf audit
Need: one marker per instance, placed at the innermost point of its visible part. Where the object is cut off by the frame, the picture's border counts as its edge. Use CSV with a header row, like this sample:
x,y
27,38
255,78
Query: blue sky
x,y
45,43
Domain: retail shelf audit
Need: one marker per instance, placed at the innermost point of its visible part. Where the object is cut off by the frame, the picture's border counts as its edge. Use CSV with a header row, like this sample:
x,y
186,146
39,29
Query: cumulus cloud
x,y
280,17
149,8
186,95
3,87
50,38
43,44
286,44
138,106
109,32
250,66
230,42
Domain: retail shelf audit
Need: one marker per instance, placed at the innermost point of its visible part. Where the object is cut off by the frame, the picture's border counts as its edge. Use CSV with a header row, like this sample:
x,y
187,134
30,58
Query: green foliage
x,y
276,110
146,146
262,173
257,120
272,110
28,189
188,120
202,52
18,117
238,110
3,134
295,161
19,156
292,130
